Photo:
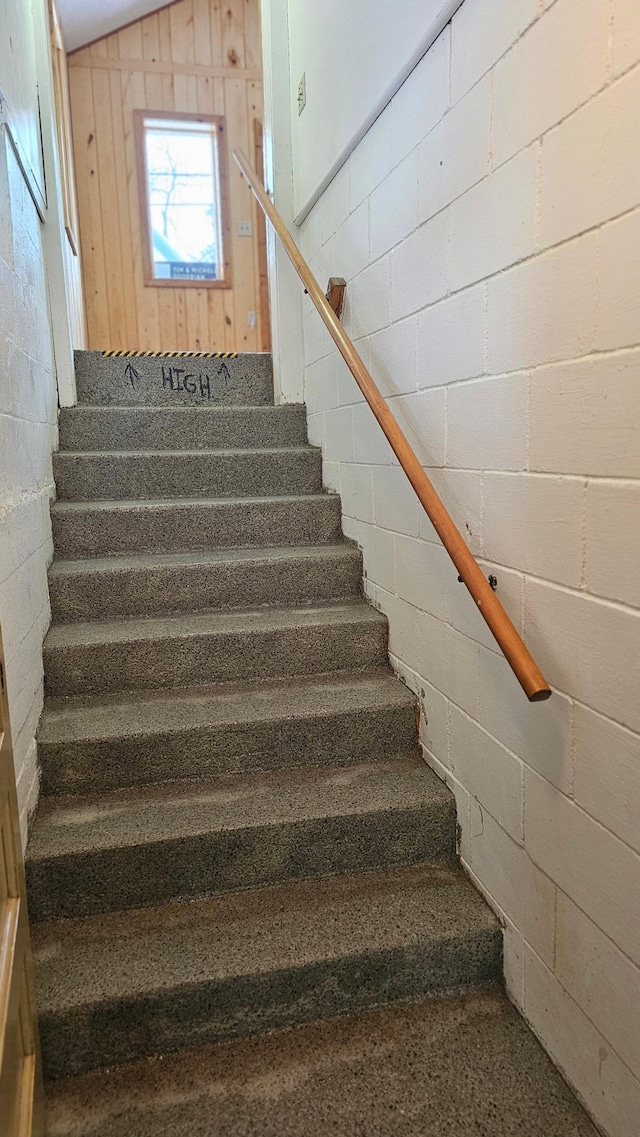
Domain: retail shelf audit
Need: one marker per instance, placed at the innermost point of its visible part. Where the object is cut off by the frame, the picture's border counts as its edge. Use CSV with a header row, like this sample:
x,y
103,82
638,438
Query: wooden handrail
x,y
520,659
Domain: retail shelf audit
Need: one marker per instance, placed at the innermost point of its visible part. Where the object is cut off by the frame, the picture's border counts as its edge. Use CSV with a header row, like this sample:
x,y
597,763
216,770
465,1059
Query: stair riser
x,y
133,428
215,658
130,477
167,589
120,1031
244,381
143,875
177,528
332,740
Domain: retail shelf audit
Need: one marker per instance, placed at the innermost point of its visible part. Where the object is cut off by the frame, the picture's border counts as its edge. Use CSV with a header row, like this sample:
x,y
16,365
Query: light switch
x,y
251,319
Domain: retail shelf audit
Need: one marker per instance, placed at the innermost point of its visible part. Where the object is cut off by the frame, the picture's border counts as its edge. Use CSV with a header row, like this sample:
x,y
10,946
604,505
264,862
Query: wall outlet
x,y
251,319
245,229
302,93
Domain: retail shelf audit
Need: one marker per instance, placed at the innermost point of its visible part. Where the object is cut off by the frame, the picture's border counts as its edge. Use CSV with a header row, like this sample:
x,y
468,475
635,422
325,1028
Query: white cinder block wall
x,y
28,426
489,229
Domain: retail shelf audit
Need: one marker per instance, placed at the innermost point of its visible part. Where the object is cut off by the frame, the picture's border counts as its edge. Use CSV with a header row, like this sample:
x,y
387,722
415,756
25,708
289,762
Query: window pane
x,y
184,200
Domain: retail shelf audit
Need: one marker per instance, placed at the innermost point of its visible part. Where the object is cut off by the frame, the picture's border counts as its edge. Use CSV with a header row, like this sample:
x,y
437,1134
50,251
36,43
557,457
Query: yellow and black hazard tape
x,y
169,355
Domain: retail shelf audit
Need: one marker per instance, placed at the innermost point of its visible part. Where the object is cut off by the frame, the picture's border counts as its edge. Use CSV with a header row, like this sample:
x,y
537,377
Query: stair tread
x,y
454,1066
145,951
211,452
169,812
137,712
166,503
216,409
134,629
124,561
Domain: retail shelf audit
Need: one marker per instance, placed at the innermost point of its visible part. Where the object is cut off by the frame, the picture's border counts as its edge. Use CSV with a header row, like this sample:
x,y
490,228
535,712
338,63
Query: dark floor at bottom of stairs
x,y
461,1066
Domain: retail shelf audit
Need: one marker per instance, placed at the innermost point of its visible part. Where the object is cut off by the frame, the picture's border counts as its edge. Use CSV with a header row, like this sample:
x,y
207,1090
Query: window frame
x,y
140,117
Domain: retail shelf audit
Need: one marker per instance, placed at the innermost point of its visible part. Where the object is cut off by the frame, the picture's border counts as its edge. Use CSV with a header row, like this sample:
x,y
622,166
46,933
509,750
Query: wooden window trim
x,y
150,281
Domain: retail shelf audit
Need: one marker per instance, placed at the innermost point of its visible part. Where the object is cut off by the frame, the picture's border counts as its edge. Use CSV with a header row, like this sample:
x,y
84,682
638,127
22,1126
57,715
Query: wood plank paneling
x,y
252,39
130,41
232,18
89,204
107,178
21,1089
127,285
164,24
150,30
181,31
202,24
199,56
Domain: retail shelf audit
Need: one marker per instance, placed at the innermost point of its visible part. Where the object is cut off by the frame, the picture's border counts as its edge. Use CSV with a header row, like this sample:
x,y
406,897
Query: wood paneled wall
x,y
193,56
71,244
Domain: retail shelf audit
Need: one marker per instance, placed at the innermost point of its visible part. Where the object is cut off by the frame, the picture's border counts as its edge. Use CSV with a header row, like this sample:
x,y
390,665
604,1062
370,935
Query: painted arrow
x,y
131,374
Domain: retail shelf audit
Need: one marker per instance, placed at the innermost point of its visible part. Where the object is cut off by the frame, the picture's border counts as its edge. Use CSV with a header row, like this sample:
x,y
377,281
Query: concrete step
x,y
93,744
463,1065
114,987
179,381
165,583
140,847
181,428
82,529
131,475
213,647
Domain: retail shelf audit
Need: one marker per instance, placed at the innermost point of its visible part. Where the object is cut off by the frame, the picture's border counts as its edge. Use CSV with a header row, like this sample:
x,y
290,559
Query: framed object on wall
x,y
183,199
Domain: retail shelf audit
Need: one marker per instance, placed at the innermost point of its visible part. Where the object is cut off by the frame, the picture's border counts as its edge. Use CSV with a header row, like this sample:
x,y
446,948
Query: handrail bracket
x,y
335,294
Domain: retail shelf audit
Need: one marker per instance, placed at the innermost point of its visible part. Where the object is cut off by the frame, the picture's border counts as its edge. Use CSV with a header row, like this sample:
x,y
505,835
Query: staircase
x,y
236,831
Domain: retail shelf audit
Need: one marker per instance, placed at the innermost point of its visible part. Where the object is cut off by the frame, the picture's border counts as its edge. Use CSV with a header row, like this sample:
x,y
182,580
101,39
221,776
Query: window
x,y
184,209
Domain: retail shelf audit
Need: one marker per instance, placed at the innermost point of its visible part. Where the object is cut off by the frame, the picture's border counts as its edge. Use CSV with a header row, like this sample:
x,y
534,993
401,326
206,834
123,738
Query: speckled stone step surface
x,y
148,846
236,830
175,428
98,743
100,528
213,647
132,475
154,584
165,382
114,987
463,1065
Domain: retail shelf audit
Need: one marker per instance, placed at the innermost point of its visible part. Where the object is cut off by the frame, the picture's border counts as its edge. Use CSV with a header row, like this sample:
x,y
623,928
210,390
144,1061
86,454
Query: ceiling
x,y
85,20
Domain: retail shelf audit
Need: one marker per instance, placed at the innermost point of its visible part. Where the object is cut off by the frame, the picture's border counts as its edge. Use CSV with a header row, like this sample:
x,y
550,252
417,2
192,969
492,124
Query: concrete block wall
x,y
489,229
28,432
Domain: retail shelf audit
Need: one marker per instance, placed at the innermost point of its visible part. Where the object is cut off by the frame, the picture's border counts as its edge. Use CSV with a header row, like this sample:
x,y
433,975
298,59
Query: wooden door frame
x,y
21,1088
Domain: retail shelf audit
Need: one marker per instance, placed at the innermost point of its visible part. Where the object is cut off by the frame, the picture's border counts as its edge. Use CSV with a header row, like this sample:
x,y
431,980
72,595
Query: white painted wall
x,y
350,55
284,286
28,409
489,228
66,302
